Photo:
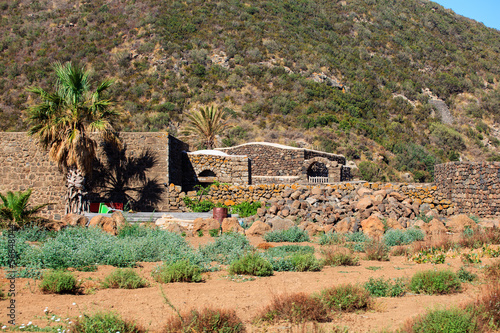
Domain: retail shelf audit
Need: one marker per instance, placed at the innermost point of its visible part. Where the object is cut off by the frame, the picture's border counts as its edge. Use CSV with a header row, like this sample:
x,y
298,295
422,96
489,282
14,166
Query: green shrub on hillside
x,y
435,282
59,282
180,271
294,235
251,264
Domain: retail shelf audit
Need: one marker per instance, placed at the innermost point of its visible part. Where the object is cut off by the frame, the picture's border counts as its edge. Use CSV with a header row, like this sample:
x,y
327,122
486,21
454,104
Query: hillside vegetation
x,y
398,84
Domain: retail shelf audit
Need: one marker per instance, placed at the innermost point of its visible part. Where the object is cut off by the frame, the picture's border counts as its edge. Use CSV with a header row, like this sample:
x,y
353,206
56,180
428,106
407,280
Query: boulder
x,y
313,229
295,195
364,203
107,224
373,227
74,220
436,227
231,224
459,223
278,223
175,228
393,224
364,191
317,191
258,228
398,196
205,224
119,219
344,226
55,225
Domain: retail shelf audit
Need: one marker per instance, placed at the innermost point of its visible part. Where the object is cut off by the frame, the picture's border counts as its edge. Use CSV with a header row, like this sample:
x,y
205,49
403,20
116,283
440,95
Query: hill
x,y
399,85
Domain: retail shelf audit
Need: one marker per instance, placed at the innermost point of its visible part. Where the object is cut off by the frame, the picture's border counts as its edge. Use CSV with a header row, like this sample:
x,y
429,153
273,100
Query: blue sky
x,y
485,11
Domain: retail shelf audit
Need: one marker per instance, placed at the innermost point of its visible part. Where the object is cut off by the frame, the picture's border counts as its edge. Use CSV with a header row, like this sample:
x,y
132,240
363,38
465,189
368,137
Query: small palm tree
x,y
15,207
206,123
63,122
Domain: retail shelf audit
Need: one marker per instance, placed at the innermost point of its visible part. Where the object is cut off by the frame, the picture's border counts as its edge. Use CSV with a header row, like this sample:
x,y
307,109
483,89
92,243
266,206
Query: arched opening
x,y
206,177
317,169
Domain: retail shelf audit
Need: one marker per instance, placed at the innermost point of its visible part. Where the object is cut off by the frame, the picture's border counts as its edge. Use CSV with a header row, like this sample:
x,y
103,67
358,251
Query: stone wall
x,y
474,188
231,169
279,161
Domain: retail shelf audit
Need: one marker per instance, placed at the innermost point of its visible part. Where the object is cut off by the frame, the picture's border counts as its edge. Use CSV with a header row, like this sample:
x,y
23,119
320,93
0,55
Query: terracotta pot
x,y
220,213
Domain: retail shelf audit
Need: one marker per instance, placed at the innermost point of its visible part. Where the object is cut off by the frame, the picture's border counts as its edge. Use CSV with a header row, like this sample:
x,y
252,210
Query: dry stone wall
x,y
228,169
473,187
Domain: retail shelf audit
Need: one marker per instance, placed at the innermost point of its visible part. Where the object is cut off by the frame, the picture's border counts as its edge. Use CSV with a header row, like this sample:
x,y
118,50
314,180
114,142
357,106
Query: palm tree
x,y
15,207
63,121
206,123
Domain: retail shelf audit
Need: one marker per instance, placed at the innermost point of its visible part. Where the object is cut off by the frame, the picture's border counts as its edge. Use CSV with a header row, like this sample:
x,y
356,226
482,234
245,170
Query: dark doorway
x,y
317,169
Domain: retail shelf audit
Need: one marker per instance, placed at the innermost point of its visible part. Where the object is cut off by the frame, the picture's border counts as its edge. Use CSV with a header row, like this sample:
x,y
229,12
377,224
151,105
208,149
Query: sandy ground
x,y
148,308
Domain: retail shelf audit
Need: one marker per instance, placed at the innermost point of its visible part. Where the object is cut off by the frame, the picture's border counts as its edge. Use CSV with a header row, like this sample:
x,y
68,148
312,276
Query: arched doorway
x,y
206,177
317,169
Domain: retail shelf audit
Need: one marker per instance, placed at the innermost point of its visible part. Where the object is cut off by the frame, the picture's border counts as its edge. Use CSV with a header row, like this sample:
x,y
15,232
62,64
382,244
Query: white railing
x,y
319,180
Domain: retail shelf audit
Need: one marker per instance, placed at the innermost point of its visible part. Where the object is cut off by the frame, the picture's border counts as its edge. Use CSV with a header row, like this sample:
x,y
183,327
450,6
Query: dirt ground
x,y
148,308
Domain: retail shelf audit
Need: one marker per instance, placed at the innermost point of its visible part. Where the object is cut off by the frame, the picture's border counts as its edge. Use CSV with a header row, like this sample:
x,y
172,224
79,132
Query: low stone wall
x,y
473,187
228,169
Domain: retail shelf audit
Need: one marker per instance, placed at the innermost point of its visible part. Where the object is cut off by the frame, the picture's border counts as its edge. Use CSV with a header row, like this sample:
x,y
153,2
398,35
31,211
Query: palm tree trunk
x,y
76,197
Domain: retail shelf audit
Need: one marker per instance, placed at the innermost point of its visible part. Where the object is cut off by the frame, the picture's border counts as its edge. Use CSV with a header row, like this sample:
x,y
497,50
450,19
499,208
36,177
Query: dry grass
x,y
295,308
442,242
206,320
400,250
493,271
339,256
265,246
487,306
377,250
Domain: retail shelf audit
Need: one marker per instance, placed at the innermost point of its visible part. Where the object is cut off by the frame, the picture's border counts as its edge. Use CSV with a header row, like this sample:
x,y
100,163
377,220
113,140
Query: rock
x,y
119,219
317,191
231,224
295,195
373,227
273,209
436,227
55,225
175,228
344,226
74,220
398,196
459,223
285,212
311,201
261,211
205,224
424,208
278,223
258,228
313,229
407,177
364,191
107,224
364,203
393,224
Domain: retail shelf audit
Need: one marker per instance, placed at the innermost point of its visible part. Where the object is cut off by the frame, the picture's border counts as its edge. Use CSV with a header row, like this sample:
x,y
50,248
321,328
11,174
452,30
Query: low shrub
x,y
437,321
295,308
357,237
124,279
35,234
226,248
206,320
465,276
287,250
346,297
246,208
306,262
251,264
132,230
386,288
59,282
394,237
487,306
493,271
377,251
104,322
331,238
198,206
435,282
339,257
293,235
180,271
214,232
399,250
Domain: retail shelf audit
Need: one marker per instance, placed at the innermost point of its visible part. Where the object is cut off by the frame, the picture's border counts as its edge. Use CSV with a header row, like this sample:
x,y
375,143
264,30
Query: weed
x,y
386,288
306,262
251,264
346,297
124,279
399,250
246,208
295,308
214,232
180,271
493,271
435,282
206,320
339,257
470,258
200,233
424,218
465,276
396,237
331,238
104,322
487,306
373,268
293,235
434,321
357,237
59,282
377,251
226,248
132,230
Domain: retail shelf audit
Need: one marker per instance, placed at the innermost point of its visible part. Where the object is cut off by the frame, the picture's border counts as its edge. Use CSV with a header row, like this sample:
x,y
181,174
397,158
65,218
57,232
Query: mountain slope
x,y
367,78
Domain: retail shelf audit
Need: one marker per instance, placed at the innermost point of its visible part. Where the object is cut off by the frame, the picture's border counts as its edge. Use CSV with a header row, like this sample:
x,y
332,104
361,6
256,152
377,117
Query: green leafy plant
x,y
59,282
15,208
245,209
104,322
331,238
226,248
294,235
466,276
386,288
251,264
206,123
124,279
396,237
180,271
435,282
306,262
446,320
214,232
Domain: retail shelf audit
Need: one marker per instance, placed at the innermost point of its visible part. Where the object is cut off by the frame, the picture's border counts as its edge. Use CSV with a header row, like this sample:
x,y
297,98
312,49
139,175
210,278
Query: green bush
x,y
385,288
104,322
370,171
331,238
280,257
394,237
376,251
435,282
246,208
251,264
346,297
59,282
465,276
132,230
226,249
452,320
306,262
180,271
339,257
124,279
198,206
293,235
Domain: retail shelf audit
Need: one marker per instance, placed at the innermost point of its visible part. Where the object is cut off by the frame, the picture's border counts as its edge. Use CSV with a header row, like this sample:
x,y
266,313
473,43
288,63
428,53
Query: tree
x,y
63,122
206,123
15,207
